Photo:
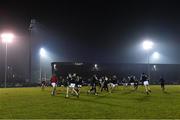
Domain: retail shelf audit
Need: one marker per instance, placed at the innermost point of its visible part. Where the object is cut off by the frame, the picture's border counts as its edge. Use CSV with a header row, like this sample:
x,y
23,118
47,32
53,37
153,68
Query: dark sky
x,y
96,30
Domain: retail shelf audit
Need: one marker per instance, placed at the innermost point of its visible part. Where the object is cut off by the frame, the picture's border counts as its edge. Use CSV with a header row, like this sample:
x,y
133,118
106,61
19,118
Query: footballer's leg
x,y
149,90
75,92
95,91
53,91
146,88
162,87
42,87
109,86
67,92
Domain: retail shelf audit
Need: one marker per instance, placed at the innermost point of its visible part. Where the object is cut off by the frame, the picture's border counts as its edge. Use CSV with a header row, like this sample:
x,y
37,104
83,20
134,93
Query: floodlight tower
x,y
148,45
42,53
6,38
31,26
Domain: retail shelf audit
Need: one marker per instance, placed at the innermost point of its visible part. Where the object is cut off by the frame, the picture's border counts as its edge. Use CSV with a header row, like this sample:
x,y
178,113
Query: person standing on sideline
x,y
144,79
54,81
162,82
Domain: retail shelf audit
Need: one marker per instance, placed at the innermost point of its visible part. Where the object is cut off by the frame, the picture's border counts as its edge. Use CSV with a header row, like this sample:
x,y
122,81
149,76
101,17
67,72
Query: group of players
x,y
73,83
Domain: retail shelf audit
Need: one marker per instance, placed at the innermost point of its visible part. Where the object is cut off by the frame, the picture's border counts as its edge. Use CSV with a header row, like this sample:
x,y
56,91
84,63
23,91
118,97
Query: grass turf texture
x,y
122,103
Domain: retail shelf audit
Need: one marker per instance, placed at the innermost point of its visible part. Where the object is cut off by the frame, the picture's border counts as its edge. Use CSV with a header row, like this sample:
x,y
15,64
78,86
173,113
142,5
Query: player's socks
x,y
77,95
66,96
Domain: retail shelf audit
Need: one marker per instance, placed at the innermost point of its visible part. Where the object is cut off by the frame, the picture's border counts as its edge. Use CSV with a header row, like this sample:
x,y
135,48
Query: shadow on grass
x,y
94,101
165,92
144,98
128,92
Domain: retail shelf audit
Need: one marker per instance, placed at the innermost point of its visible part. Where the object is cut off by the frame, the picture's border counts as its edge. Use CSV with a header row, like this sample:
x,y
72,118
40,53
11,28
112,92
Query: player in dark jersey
x,y
105,84
124,82
72,84
144,79
112,83
93,82
136,83
78,84
162,82
133,82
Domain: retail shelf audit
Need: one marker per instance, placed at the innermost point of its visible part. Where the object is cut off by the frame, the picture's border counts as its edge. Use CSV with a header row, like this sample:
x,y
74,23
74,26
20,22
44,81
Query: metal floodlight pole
x,y
33,21
40,71
5,73
148,67
6,38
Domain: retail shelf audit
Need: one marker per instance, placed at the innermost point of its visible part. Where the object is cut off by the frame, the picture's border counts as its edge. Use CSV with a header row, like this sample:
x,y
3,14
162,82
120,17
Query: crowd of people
x,y
74,82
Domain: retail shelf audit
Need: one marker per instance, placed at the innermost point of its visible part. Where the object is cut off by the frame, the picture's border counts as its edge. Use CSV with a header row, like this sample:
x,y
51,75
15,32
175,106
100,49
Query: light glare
x,y
42,52
147,45
156,55
7,37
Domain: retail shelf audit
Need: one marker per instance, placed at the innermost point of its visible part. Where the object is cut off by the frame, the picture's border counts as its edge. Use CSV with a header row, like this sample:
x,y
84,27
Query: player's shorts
x,y
79,86
54,84
112,85
125,84
146,83
132,84
72,85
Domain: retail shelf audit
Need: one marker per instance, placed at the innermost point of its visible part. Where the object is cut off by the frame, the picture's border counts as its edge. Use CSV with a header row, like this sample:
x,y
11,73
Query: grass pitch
x,y
33,103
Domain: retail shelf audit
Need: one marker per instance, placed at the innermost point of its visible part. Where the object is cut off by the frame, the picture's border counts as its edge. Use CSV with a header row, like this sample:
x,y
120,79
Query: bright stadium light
x,y
148,44
95,65
156,55
6,38
42,52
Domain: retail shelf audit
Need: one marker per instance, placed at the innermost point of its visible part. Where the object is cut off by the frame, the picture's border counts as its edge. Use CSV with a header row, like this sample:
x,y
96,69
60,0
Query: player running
x,y
78,84
72,84
105,84
112,83
133,82
144,79
94,81
124,82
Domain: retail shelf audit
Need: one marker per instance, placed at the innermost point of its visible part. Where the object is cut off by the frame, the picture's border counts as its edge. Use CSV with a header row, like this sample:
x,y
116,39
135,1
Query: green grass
x,y
33,103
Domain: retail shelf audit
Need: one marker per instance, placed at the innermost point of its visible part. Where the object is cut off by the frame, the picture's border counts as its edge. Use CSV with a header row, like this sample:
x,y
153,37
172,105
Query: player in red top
x,y
54,80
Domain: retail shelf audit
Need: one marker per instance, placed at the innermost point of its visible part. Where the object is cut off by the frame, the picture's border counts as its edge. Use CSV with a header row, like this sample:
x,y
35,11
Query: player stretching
x,y
54,80
144,79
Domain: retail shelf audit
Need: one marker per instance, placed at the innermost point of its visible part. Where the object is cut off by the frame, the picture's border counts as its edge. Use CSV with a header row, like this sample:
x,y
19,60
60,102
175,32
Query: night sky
x,y
97,31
